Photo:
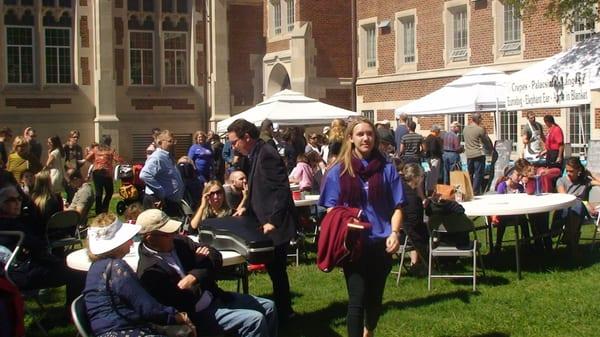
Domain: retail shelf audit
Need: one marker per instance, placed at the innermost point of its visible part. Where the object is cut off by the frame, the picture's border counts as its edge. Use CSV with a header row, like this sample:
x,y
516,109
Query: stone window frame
x,y
363,24
47,46
290,16
574,127
285,27
34,67
400,19
186,71
450,8
502,50
509,127
129,65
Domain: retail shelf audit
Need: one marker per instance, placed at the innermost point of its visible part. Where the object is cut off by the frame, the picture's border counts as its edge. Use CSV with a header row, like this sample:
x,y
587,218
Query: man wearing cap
x,y
164,184
452,149
384,131
181,273
270,202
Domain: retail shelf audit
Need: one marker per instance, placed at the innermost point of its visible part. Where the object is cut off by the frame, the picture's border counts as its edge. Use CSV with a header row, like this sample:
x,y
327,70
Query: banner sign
x,y
549,91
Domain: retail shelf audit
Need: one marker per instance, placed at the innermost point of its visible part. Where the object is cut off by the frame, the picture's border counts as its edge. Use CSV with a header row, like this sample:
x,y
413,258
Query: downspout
x,y
208,64
354,56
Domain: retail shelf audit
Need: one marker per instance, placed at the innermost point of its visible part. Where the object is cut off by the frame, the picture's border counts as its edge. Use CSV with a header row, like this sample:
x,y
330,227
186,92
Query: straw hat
x,y
104,239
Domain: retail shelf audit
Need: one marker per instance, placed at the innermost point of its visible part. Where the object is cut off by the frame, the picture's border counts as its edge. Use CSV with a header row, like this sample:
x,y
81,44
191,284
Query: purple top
x,y
380,221
503,188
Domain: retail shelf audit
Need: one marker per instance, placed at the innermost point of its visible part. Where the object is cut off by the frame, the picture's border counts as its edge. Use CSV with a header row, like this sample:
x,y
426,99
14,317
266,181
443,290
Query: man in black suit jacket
x,y
181,273
270,201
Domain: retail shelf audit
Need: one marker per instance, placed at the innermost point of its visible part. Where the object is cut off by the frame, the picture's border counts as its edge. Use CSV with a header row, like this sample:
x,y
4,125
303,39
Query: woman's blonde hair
x,y
42,190
198,133
224,207
20,141
347,152
102,220
336,132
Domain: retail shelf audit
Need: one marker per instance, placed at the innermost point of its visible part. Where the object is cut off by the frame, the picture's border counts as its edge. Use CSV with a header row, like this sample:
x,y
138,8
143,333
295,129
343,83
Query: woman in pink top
x,y
304,172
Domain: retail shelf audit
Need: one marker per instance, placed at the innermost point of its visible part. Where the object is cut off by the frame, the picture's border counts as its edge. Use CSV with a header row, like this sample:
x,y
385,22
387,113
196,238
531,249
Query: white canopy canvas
x,y
479,90
560,81
288,107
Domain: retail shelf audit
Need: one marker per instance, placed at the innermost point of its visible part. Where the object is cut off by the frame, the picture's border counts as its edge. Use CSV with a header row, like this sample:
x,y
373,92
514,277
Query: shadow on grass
x,y
317,323
487,334
461,295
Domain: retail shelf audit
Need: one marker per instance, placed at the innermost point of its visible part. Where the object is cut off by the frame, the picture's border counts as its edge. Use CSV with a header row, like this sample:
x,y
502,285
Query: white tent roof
x,y
479,90
583,57
288,107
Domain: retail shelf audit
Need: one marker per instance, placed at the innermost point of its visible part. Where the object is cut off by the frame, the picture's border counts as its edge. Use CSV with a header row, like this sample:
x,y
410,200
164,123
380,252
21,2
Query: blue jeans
x,y
476,168
449,158
247,315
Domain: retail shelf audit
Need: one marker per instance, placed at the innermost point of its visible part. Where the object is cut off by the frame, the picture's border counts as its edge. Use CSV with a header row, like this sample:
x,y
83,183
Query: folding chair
x,y
444,242
80,318
297,246
594,199
62,229
187,215
9,264
405,247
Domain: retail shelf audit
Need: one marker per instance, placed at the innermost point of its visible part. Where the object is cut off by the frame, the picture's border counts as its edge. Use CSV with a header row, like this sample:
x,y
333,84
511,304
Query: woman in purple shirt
x,y
201,154
362,178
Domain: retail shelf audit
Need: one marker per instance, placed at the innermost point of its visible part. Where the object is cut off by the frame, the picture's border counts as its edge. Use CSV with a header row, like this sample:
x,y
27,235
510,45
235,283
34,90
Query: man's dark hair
x,y
106,140
266,125
549,119
241,127
412,126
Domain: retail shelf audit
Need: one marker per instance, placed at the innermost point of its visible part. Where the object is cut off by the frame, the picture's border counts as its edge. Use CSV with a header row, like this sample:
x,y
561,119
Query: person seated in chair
x,y
213,204
577,182
181,273
413,211
116,303
236,193
83,199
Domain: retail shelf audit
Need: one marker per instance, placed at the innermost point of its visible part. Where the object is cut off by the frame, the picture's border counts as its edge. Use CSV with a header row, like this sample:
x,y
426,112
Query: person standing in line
x,y
362,178
411,147
452,150
555,145
476,140
433,145
313,144
164,185
73,159
270,202
401,130
17,159
201,154
35,149
5,137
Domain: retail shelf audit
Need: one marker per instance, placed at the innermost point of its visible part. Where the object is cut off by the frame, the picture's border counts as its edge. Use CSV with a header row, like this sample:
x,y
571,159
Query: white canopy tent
x,y
560,81
481,89
288,107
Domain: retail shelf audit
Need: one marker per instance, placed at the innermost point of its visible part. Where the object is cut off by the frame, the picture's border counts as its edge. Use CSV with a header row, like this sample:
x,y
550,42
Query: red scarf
x,y
351,187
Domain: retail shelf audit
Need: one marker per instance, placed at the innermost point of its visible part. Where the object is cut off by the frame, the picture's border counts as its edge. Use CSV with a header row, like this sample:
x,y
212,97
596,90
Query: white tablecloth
x,y
515,204
308,200
79,259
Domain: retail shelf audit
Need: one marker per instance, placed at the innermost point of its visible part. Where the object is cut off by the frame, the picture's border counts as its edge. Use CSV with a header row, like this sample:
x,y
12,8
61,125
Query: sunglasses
x,y
215,193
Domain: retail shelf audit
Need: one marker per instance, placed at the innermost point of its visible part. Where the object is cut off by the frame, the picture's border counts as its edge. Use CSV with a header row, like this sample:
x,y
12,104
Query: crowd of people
x,y
389,174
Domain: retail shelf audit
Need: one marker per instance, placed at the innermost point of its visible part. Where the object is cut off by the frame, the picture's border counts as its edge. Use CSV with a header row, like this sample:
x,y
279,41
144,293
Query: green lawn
x,y
556,297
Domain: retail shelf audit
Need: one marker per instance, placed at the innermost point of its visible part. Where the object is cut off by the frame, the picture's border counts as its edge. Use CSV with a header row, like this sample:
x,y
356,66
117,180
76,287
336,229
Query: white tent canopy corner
x,y
288,107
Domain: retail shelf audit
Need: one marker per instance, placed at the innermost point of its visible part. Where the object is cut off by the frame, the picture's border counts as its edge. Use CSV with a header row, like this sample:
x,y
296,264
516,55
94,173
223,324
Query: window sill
x,y
174,90
60,89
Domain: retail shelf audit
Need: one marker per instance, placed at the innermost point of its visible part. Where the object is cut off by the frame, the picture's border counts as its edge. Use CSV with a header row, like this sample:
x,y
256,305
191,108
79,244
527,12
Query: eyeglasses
x,y
215,193
234,142
13,199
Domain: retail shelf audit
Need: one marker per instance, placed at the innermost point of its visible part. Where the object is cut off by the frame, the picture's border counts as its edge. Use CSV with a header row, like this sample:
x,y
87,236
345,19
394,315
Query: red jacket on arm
x,y
332,248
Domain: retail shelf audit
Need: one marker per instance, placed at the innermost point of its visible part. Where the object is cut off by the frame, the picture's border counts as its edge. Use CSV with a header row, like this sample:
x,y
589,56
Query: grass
x,y
556,297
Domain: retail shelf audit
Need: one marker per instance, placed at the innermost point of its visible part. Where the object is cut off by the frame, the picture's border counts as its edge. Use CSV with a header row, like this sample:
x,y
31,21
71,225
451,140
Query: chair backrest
x,y
186,208
9,262
80,318
63,220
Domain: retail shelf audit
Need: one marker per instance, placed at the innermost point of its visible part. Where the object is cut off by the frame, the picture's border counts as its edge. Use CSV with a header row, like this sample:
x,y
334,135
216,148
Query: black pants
x,y
277,270
365,281
540,226
104,186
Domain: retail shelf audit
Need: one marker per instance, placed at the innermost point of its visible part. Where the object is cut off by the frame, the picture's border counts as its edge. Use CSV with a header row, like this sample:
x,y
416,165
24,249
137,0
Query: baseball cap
x,y
156,220
455,123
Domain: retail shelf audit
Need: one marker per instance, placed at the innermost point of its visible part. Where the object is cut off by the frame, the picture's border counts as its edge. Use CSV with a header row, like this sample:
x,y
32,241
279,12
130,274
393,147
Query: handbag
x,y
178,330
461,180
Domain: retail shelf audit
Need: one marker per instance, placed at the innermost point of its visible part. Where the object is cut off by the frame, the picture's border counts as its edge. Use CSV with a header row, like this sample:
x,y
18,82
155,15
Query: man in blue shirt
x,y
164,185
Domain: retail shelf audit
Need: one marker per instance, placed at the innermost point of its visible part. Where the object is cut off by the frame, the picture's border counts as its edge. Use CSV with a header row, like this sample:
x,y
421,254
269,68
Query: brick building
x,y
122,67
408,49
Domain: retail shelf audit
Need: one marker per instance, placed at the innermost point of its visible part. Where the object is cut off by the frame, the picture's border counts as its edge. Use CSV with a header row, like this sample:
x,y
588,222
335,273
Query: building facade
x,y
408,49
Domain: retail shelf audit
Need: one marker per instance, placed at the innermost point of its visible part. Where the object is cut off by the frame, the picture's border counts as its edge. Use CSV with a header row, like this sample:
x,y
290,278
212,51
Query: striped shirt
x,y
412,144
